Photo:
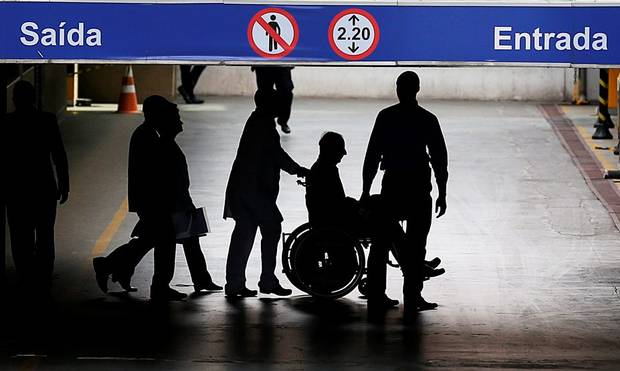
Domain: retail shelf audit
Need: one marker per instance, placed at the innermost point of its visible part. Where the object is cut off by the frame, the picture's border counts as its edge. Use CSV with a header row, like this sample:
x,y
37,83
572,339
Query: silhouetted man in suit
x,y
251,195
158,187
36,177
269,76
189,78
404,140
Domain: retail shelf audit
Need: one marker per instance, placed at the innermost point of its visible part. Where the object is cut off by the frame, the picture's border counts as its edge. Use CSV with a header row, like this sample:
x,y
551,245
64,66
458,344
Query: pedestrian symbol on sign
x,y
273,33
353,34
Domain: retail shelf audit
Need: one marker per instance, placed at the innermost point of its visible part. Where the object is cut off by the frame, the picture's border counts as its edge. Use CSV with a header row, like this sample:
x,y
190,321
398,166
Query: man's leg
x,y
186,83
241,242
195,75
45,249
165,246
196,262
284,87
21,230
264,78
270,233
414,252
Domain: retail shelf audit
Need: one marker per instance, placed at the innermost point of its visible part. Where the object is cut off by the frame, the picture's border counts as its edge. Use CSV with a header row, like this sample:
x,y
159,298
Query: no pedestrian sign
x,y
273,33
353,34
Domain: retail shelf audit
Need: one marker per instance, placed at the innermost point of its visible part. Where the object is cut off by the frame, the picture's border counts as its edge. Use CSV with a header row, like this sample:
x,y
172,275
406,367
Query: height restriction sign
x,y
273,33
353,34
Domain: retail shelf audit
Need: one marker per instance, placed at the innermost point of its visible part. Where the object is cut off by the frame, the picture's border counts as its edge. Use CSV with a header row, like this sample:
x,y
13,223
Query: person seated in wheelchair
x,y
329,207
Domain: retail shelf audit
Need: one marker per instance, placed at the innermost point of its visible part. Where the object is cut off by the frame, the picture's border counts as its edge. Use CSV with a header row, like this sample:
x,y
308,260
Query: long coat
x,y
158,174
253,184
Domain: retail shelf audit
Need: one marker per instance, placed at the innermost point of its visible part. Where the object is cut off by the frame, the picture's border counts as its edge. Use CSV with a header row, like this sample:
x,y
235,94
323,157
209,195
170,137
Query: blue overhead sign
x,y
44,31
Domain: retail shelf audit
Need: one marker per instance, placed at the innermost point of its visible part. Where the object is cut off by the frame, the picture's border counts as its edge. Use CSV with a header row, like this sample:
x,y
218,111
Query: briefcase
x,y
190,223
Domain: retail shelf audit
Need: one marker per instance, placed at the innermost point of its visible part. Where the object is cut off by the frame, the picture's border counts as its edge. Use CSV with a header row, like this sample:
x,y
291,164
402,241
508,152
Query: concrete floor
x,y
532,258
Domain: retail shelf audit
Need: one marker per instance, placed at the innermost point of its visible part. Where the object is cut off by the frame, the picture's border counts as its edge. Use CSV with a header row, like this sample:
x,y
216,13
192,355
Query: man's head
x,y
331,147
23,95
163,115
407,86
266,101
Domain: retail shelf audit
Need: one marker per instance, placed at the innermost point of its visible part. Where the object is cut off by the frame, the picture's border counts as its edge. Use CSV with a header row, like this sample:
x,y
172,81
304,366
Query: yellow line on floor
x,y
601,155
106,237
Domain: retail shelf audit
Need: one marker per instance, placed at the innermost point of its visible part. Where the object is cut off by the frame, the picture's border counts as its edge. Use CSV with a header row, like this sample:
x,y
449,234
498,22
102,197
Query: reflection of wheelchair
x,y
325,262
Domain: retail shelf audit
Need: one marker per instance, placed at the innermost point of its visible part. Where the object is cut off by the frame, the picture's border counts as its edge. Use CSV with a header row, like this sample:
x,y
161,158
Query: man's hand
x,y
302,172
441,206
63,196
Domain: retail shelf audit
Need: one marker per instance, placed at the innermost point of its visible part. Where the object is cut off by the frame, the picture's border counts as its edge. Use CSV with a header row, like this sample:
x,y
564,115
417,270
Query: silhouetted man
x,y
251,196
36,177
158,187
404,140
269,76
189,78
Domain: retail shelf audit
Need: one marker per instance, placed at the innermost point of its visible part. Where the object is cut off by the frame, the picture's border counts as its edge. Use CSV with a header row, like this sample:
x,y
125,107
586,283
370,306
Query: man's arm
x,y
286,163
439,161
59,158
374,152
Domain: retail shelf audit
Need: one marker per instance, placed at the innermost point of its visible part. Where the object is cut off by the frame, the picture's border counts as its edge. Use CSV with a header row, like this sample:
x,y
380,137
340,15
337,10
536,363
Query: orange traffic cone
x,y
128,101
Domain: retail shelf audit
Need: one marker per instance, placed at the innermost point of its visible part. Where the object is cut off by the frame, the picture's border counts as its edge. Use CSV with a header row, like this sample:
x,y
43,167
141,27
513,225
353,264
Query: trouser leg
x,y
196,261
284,87
123,260
270,235
186,76
195,75
160,227
264,78
414,251
21,230
241,242
44,253
377,268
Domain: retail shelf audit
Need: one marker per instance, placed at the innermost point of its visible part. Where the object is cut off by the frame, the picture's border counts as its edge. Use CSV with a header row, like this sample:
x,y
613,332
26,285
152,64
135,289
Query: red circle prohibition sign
x,y
286,46
343,14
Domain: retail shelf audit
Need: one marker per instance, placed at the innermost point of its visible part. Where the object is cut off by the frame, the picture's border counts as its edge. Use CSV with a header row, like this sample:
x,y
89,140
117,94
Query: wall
x,y
102,83
468,83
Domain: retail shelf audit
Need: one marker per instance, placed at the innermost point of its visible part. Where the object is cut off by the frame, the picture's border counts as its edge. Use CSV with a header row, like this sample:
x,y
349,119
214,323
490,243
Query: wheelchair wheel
x,y
325,263
362,287
294,238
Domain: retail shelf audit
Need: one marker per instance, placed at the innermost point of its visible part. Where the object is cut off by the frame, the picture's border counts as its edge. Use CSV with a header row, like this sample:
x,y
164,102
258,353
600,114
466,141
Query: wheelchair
x,y
326,263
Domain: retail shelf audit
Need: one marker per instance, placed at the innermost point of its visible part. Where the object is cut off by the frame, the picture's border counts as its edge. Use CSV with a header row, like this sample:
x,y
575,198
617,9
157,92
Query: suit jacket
x,y
253,185
34,162
406,138
158,175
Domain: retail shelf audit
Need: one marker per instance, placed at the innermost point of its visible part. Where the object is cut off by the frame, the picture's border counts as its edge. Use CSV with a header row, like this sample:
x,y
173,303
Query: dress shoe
x,y
430,272
166,294
241,293
207,286
194,100
125,281
382,303
422,305
433,263
285,129
184,94
101,273
276,290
